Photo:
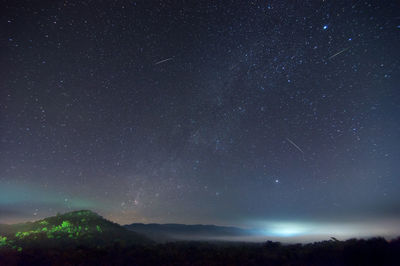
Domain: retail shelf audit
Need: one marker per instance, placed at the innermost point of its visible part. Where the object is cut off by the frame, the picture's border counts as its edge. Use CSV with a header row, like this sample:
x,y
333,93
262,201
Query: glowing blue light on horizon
x,y
285,229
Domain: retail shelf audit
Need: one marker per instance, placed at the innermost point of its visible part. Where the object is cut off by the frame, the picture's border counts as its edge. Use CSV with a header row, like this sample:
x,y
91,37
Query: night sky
x,y
280,116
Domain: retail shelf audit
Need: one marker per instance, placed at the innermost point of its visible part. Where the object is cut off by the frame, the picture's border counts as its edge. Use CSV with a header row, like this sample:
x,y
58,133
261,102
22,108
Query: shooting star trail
x,y
297,147
338,53
163,61
353,6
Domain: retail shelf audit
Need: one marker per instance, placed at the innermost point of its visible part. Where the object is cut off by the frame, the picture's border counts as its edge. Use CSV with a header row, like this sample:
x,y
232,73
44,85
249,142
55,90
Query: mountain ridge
x,y
82,227
175,231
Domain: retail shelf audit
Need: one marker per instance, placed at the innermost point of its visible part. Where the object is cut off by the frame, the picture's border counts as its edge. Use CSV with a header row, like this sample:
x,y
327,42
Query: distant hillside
x,y
5,228
83,228
165,232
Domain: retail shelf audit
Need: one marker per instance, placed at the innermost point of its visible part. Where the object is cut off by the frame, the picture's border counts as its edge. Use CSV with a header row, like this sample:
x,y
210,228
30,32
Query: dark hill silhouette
x,y
168,232
84,228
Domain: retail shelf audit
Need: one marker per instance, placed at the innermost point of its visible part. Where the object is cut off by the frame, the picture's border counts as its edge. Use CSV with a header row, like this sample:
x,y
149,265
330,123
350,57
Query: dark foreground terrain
x,y
375,251
85,238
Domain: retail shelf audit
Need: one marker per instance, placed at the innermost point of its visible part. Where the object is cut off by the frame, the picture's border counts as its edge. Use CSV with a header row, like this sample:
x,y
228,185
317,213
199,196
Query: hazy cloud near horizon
x,y
9,212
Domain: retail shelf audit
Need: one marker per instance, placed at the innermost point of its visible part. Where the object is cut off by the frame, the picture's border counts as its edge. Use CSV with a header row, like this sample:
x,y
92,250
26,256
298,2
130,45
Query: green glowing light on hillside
x,y
3,241
22,235
71,226
66,227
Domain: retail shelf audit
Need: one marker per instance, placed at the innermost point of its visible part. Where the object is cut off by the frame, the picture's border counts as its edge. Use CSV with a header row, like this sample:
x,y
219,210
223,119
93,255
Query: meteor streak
x,y
338,53
297,147
163,61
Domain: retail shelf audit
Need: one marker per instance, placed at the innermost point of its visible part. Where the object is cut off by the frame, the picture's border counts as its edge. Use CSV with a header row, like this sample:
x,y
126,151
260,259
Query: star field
x,y
224,112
